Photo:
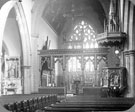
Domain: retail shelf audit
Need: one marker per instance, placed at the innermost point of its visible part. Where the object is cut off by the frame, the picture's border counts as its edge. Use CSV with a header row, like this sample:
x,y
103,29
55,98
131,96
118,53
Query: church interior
x,y
67,55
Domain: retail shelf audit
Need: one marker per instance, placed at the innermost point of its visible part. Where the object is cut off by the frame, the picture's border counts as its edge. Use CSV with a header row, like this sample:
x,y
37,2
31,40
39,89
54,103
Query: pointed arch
x,y
82,36
24,33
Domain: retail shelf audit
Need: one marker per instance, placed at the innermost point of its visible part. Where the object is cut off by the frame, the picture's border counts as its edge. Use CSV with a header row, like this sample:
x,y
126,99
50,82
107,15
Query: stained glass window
x,y
82,37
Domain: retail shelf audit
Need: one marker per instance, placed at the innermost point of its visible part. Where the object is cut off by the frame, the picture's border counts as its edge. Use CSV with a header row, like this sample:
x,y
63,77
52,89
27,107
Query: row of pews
x,y
27,103
87,104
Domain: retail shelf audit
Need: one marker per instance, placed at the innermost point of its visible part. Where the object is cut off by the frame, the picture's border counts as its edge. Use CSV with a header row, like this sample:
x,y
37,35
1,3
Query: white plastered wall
x,y
40,31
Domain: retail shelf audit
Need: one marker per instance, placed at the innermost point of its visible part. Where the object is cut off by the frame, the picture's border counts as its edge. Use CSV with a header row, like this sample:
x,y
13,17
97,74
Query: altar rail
x,y
52,90
92,91
96,91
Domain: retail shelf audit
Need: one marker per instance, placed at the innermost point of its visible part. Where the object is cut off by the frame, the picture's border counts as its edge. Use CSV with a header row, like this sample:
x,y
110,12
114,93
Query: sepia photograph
x,y
67,56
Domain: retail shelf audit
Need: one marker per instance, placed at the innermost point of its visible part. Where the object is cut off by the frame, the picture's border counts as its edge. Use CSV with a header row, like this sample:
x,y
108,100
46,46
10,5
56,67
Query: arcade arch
x,y
24,41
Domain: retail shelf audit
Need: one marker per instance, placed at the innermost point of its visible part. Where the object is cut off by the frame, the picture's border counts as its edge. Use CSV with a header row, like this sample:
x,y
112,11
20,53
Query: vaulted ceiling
x,y
58,12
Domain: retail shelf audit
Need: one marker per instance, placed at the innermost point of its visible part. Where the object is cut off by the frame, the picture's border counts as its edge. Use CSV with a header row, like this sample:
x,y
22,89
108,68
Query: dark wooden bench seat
x,y
100,104
91,105
27,103
80,109
52,90
20,97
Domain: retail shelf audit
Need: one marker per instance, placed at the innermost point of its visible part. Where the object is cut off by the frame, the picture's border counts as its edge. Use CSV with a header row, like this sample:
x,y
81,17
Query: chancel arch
x,y
18,43
84,63
78,60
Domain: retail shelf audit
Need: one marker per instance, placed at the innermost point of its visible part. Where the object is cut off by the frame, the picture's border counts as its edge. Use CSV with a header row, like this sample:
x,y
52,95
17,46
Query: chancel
x,y
67,55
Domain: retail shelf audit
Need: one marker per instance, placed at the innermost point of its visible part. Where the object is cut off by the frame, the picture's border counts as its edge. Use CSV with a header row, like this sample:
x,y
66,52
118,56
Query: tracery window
x,y
82,37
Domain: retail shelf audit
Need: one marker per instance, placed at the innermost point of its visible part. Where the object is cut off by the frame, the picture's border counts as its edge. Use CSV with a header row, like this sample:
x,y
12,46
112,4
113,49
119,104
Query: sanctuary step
x,y
52,90
89,103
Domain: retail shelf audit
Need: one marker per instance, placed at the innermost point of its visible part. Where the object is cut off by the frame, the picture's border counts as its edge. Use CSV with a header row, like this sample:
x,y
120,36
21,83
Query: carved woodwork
x,y
95,56
112,35
47,69
115,80
111,39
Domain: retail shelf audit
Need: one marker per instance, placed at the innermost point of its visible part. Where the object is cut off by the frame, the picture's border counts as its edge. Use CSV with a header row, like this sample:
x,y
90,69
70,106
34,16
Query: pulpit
x,y
115,80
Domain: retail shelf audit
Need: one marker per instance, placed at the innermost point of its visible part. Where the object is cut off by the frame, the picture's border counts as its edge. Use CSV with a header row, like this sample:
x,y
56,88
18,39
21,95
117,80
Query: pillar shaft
x,y
35,76
0,74
126,22
27,80
130,65
121,14
132,74
131,37
126,17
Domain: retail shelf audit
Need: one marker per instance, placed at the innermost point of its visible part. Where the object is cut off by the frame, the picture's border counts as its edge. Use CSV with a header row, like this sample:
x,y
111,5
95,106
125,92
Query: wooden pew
x,y
101,104
52,90
30,104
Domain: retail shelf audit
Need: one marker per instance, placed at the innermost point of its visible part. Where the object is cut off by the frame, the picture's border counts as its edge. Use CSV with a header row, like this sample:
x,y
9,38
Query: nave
x,y
88,103
67,55
69,103
27,103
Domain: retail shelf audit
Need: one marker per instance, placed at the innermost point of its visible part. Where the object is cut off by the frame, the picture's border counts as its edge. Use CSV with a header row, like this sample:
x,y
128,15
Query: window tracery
x,y
82,37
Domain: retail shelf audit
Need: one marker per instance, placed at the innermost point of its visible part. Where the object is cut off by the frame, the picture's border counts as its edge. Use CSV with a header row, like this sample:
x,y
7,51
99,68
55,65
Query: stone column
x,y
130,65
26,79
131,18
126,17
127,67
126,21
35,76
132,74
131,53
0,73
121,14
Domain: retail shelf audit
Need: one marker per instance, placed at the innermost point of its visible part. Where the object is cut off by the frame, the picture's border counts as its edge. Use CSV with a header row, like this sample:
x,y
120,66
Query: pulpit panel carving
x,y
113,77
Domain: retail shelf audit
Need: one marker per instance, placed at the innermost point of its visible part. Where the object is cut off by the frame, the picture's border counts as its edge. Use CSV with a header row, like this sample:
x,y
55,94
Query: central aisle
x,y
80,103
